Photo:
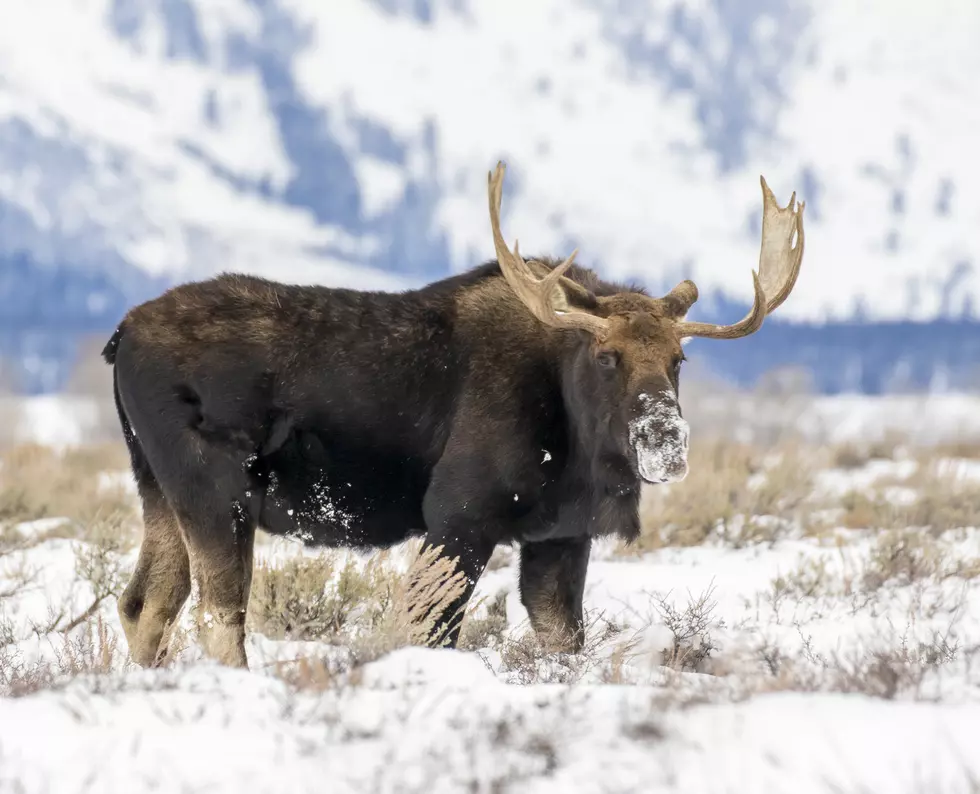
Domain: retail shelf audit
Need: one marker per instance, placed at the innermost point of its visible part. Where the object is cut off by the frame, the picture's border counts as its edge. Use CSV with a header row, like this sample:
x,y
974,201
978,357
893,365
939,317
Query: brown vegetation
x,y
40,482
737,492
371,608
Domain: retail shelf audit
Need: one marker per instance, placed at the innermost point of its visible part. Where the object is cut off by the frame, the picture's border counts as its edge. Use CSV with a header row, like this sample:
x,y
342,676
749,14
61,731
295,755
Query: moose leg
x,y
152,600
472,552
552,582
221,542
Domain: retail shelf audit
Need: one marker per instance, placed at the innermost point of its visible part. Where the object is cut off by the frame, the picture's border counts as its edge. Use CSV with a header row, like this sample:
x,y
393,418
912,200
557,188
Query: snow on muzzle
x,y
659,438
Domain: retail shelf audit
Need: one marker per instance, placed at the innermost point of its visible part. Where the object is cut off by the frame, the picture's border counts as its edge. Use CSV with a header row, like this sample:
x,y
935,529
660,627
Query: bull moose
x,y
524,401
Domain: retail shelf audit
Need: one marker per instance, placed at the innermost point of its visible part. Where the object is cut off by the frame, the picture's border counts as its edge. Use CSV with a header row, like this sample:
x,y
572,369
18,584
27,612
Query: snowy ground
x,y
794,652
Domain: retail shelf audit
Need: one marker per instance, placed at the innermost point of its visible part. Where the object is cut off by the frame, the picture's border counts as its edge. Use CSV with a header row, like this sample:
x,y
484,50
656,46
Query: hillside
x,y
143,143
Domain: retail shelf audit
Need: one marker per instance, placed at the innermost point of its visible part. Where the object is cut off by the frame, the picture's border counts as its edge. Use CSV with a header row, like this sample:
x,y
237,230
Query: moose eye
x,y
608,359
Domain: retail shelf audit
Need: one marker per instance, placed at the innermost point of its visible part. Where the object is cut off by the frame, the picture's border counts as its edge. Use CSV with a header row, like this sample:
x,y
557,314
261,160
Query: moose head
x,y
625,363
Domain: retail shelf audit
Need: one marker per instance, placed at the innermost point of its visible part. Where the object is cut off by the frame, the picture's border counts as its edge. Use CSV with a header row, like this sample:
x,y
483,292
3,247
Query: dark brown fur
x,y
363,418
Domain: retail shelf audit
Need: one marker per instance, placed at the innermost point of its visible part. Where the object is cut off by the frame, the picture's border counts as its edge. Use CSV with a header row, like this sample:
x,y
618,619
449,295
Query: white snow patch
x,y
660,438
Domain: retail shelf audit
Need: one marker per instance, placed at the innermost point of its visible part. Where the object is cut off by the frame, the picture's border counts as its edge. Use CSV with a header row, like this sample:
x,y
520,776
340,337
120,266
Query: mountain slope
x,y
148,141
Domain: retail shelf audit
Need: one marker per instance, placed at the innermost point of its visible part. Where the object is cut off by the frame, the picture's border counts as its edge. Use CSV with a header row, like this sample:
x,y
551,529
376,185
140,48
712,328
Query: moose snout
x,y
659,437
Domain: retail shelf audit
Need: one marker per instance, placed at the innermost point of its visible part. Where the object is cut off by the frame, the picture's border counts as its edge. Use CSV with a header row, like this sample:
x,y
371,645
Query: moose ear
x,y
678,302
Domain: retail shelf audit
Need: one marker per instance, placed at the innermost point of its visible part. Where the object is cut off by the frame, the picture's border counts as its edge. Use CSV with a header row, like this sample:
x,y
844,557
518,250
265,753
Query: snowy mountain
x,y
144,142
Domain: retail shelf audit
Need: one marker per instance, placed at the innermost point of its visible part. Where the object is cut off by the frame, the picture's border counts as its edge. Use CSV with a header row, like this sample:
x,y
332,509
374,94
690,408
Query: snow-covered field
x,y
819,632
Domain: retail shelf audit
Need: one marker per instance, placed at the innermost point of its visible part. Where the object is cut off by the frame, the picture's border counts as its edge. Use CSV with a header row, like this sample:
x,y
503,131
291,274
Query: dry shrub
x,y
307,674
527,661
887,672
520,656
905,556
967,450
486,631
308,598
728,487
890,673
810,579
80,641
12,540
40,482
692,645
98,563
941,504
946,503
373,608
92,652
867,511
851,455
420,607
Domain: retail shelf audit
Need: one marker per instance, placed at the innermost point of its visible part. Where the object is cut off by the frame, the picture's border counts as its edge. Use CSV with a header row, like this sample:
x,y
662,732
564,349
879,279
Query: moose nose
x,y
660,436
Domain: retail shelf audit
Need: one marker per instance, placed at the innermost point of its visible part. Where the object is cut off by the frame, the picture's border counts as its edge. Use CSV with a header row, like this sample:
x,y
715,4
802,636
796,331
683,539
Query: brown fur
x,y
151,602
245,402
552,581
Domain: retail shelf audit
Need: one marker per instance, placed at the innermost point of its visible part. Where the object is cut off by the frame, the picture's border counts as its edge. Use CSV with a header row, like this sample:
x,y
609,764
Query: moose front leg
x,y
552,582
471,550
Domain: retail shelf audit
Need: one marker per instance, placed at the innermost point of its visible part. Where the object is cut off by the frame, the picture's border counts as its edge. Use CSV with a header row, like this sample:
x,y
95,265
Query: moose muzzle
x,y
658,436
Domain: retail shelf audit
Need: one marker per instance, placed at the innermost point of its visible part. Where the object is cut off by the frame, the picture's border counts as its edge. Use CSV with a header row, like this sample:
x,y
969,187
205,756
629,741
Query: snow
x,y
659,435
178,162
53,420
456,731
439,720
756,666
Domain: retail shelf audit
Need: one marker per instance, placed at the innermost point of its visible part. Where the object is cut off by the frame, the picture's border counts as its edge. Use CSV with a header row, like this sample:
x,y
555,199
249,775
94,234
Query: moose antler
x,y
544,297
779,266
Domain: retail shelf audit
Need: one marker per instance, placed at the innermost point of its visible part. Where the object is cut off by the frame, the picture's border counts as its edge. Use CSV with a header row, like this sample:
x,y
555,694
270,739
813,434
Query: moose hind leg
x,y
552,581
151,602
220,542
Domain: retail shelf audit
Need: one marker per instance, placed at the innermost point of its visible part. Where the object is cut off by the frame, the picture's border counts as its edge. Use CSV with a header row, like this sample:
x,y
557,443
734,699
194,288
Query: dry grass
x,y
902,670
308,598
940,504
419,612
906,556
371,609
736,492
486,631
93,652
525,661
855,454
741,494
39,482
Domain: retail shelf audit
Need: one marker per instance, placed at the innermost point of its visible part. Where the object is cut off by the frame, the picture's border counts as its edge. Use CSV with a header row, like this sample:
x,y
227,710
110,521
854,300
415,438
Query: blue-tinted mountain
x,y
146,142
